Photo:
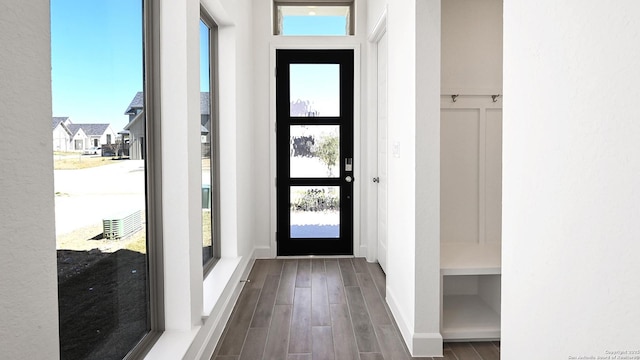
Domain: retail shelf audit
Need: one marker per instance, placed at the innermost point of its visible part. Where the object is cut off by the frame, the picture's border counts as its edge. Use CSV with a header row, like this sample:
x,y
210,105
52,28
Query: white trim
x,y
403,326
380,28
262,252
419,344
427,344
217,12
317,43
364,252
371,247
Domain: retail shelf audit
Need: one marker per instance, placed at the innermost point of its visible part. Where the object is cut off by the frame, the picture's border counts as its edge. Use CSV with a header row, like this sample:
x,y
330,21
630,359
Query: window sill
x,y
174,344
216,281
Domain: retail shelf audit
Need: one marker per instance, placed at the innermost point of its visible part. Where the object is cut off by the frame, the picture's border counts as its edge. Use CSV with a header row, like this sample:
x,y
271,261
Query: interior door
x,y
382,151
314,145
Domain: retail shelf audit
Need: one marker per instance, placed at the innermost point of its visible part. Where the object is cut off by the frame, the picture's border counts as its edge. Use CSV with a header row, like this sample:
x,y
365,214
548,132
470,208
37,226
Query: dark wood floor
x,y
321,309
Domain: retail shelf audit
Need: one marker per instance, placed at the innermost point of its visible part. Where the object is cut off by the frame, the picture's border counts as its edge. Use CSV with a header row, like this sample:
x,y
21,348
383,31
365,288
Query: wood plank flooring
x,y
322,309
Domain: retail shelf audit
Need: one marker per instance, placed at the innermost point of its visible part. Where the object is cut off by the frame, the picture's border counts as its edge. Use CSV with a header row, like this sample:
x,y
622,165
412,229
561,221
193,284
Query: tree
x,y
328,150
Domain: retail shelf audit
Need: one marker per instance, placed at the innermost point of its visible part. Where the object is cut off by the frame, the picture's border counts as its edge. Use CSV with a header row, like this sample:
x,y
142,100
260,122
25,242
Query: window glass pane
x,y
313,20
314,90
315,212
314,151
205,142
100,183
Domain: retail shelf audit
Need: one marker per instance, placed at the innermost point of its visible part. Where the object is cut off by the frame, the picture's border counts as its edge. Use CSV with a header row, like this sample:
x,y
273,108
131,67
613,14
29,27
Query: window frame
x,y
214,140
153,179
277,31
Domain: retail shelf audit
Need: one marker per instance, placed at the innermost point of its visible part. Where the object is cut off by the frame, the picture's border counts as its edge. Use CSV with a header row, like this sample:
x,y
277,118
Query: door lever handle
x,y
376,179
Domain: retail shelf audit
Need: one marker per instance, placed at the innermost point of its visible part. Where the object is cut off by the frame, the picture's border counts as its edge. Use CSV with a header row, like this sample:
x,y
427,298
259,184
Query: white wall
x,y
28,281
472,46
427,340
263,126
413,268
471,126
571,168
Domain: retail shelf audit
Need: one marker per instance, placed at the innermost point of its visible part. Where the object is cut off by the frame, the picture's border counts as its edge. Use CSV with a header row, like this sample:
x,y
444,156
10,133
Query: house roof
x,y
74,128
94,129
205,107
138,103
57,120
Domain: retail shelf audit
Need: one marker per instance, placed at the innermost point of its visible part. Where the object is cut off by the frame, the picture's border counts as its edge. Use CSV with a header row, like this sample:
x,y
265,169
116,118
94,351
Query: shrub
x,y
316,200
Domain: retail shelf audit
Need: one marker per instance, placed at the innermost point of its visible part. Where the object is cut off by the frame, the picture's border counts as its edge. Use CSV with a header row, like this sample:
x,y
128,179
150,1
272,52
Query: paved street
x,y
84,197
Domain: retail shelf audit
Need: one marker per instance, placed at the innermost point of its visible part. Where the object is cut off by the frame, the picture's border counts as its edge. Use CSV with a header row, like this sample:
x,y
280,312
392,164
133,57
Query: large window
x,y
209,144
313,18
102,216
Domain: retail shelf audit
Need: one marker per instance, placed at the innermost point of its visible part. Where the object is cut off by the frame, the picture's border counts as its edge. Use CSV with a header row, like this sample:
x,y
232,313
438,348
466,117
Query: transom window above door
x,y
313,18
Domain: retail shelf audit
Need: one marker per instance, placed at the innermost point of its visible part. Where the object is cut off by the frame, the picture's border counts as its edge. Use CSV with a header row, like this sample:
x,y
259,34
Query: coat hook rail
x,y
454,97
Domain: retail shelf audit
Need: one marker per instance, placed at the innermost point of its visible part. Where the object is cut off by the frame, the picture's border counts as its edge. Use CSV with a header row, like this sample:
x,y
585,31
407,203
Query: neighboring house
x,y
79,140
68,136
98,134
136,126
205,117
135,129
61,134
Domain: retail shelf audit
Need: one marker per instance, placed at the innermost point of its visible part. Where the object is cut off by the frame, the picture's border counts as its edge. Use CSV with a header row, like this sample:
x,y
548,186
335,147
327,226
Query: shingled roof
x,y
94,129
73,128
138,103
89,129
57,120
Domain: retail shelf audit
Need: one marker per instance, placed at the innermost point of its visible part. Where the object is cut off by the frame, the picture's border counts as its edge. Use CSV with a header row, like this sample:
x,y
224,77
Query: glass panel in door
x,y
314,90
315,212
314,151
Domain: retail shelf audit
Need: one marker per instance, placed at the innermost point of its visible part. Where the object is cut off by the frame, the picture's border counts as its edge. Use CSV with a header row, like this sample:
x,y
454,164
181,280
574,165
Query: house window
x,y
108,140
313,18
209,143
106,306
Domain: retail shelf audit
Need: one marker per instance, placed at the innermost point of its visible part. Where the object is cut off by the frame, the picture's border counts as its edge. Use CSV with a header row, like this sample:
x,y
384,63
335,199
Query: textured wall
x,y
28,283
571,200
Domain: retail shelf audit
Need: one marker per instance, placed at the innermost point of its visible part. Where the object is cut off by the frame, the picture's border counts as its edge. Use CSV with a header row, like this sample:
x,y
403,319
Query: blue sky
x,y
96,59
314,25
317,83
96,56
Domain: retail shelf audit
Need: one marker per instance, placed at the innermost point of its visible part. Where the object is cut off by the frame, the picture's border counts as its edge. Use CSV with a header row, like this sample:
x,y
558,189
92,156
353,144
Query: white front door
x,y
382,152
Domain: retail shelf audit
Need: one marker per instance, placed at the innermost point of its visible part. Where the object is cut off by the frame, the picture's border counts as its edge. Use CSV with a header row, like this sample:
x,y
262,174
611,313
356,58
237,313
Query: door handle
x,y
348,179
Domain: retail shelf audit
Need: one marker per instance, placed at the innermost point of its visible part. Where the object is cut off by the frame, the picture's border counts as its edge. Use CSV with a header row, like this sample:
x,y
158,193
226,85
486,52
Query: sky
x,y
96,56
324,94
96,59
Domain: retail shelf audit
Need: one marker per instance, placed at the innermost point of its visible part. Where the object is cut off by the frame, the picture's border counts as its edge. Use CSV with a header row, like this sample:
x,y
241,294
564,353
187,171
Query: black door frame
x,y
314,246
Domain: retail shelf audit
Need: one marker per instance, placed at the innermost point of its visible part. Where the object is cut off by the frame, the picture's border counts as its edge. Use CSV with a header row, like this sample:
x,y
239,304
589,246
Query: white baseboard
x,y
427,344
363,252
262,252
419,344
